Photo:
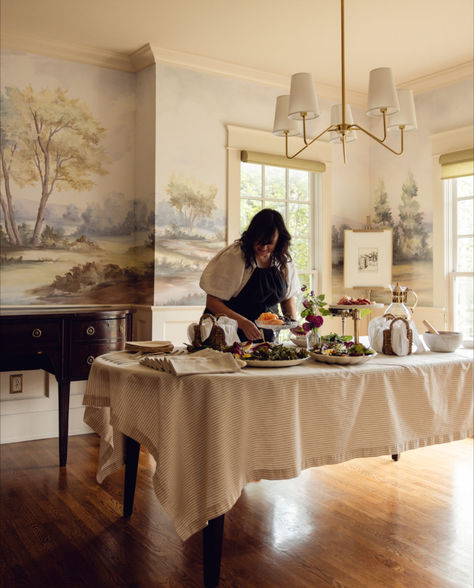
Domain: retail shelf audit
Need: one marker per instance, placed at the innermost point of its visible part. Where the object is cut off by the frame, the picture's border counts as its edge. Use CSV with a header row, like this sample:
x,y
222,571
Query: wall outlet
x,y
16,383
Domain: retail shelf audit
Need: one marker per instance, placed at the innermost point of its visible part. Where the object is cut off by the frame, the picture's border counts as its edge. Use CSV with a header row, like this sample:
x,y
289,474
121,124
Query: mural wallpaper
x,y
67,237
190,229
412,246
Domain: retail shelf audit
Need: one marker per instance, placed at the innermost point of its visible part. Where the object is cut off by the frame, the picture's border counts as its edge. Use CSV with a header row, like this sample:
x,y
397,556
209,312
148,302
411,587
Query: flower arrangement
x,y
314,308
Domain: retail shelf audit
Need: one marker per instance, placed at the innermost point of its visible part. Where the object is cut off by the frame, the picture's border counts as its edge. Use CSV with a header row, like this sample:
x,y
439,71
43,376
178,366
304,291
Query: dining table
x,y
210,434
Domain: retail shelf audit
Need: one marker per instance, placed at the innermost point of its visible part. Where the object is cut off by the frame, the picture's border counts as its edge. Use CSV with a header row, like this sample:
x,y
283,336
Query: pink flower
x,y
307,327
315,320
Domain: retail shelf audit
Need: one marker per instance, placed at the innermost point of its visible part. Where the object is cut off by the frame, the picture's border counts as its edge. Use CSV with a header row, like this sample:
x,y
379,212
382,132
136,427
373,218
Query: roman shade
x,y
457,164
280,161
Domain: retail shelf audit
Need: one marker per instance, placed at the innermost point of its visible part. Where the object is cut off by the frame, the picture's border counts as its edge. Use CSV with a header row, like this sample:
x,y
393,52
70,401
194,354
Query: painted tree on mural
x,y
48,139
191,198
411,236
383,214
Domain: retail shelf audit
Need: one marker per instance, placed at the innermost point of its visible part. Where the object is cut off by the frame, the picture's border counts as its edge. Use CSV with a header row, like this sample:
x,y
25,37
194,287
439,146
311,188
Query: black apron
x,y
265,288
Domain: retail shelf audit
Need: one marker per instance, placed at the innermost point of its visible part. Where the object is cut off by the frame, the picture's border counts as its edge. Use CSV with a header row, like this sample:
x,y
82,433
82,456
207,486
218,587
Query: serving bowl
x,y
445,342
300,340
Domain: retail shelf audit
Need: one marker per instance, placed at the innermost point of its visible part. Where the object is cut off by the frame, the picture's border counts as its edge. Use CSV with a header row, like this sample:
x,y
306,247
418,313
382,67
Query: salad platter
x,y
341,359
341,350
274,363
268,355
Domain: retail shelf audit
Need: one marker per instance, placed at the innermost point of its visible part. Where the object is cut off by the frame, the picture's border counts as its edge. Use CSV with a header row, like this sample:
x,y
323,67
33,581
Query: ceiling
x,y
417,38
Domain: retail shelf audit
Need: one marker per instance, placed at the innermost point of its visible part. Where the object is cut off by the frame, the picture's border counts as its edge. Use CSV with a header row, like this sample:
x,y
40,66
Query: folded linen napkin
x,y
205,361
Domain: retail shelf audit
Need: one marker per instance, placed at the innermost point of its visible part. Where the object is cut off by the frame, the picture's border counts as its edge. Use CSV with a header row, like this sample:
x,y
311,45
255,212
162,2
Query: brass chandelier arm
x,y
381,141
330,128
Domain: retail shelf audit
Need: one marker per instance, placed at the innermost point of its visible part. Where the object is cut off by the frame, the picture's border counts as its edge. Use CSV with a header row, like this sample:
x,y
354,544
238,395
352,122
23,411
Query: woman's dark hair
x,y
261,230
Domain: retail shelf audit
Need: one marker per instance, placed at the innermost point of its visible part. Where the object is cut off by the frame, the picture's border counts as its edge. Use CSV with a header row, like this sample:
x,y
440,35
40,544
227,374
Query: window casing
x,y
459,200
296,194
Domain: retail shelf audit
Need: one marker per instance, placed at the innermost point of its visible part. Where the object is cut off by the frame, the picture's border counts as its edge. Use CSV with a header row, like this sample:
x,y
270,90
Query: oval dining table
x,y
212,433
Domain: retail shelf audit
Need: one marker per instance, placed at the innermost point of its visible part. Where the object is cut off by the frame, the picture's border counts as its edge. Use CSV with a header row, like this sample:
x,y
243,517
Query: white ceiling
x,y
415,37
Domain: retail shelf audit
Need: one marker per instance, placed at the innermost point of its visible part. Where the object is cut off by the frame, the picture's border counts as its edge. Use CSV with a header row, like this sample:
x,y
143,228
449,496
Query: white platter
x,y
269,363
351,306
290,325
341,359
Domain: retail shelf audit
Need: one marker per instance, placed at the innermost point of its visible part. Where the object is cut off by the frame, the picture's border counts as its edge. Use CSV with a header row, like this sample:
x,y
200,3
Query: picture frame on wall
x,y
367,258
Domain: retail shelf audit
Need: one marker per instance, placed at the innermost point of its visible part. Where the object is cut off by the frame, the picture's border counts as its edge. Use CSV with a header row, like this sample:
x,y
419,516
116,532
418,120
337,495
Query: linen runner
x,y
211,434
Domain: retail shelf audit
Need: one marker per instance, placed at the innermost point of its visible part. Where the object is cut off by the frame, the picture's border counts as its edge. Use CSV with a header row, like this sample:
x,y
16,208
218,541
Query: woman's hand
x,y
250,329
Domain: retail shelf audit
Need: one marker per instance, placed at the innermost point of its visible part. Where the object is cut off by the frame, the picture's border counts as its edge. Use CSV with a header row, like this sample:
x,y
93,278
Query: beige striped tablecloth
x,y
211,434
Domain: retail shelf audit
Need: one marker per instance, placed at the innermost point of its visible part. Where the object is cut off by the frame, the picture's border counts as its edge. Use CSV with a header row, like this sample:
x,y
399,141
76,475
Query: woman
x,y
253,275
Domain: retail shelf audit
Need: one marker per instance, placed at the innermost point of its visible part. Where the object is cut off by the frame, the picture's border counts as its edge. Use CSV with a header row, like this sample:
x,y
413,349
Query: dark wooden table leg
x,y
132,453
212,551
63,406
396,456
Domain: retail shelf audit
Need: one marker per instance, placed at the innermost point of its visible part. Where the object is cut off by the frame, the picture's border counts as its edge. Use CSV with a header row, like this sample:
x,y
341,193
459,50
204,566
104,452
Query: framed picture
x,y
367,258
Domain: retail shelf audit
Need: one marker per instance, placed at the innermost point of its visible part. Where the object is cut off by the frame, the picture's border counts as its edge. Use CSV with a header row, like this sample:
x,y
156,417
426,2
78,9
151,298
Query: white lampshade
x,y
303,97
282,123
336,119
406,116
382,93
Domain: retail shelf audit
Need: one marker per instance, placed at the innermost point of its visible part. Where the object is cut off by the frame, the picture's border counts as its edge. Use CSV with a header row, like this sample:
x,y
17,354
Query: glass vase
x,y
314,338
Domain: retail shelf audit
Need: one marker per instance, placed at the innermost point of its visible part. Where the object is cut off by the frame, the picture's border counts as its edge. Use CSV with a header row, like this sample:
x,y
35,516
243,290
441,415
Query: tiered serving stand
x,y
353,311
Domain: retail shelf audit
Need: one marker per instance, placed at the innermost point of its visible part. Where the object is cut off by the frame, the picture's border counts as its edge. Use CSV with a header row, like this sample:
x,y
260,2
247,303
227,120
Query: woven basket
x,y
387,335
216,338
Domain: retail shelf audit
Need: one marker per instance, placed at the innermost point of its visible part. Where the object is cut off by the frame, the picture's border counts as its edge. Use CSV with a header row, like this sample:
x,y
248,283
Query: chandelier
x,y
397,108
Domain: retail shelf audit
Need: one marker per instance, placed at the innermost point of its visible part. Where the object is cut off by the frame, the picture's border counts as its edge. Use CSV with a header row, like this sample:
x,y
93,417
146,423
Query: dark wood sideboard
x,y
64,343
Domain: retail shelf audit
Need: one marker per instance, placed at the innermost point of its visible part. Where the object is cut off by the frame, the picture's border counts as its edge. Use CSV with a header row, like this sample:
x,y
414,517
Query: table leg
x,y
63,406
132,453
396,456
212,551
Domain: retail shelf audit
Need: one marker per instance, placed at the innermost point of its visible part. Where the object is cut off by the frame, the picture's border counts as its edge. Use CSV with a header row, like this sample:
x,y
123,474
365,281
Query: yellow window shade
x,y
457,164
279,161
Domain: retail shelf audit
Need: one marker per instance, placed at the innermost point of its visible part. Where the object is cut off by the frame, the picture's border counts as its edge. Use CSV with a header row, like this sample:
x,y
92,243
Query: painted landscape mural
x,y
190,229
412,247
60,242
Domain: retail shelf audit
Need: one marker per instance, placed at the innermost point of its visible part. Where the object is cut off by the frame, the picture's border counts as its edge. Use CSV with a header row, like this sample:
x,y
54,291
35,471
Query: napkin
x,y
228,325
399,340
206,361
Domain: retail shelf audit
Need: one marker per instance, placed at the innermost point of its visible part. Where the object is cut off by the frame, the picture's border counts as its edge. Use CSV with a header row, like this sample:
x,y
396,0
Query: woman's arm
x,y
217,306
288,308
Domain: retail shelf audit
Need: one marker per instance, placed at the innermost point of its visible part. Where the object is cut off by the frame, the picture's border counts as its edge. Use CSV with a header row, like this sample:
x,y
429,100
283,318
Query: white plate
x,y
274,363
341,359
290,325
351,306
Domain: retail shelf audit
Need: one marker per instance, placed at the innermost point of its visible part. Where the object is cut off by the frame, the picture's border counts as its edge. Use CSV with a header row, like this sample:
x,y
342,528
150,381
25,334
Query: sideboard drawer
x,y
84,330
85,354
31,334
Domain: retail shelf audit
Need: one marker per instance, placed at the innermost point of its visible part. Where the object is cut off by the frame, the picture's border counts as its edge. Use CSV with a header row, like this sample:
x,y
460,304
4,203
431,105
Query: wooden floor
x,y
365,523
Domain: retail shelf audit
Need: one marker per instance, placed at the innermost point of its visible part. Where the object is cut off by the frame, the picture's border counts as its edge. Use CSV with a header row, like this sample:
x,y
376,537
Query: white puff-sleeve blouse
x,y
226,275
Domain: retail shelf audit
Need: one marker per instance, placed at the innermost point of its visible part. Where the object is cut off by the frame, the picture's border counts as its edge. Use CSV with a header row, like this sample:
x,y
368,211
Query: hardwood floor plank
x,y
367,523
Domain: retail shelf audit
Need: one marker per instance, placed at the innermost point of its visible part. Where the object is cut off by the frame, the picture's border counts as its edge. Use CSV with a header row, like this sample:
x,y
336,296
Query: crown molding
x,y
149,54
232,70
439,79
68,51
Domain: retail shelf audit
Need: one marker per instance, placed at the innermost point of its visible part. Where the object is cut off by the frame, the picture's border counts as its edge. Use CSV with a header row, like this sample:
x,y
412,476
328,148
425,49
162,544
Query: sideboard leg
x,y
132,453
63,406
212,550
396,456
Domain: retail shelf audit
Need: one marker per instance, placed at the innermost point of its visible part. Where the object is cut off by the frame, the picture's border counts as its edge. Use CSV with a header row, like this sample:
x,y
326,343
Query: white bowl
x,y
445,342
300,340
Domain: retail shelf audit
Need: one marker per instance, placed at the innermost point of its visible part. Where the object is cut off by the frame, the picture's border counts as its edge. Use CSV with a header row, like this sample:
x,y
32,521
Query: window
x,y
296,194
460,208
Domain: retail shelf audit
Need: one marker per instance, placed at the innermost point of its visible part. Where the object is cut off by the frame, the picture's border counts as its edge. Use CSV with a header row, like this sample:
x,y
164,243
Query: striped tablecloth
x,y
212,434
